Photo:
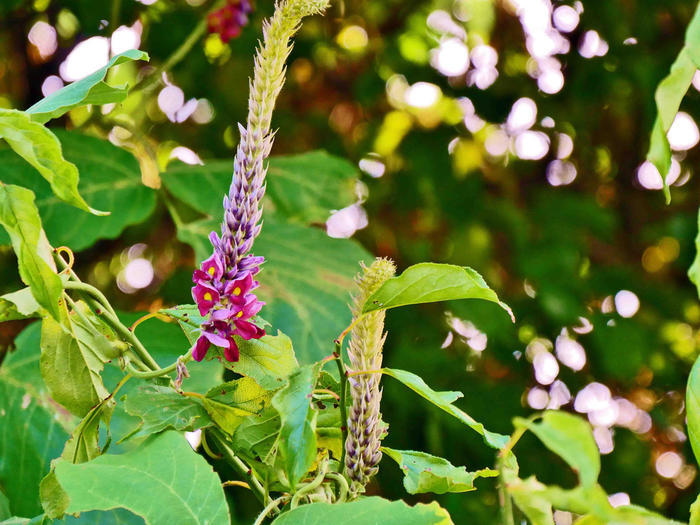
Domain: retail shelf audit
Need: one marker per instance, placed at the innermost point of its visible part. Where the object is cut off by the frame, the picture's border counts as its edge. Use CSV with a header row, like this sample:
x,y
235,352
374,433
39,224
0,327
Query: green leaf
x,y
428,283
695,512
694,270
164,469
257,434
692,402
426,473
70,367
269,360
444,400
366,511
89,90
20,217
30,437
110,179
302,188
84,442
4,507
305,281
569,437
42,149
160,408
298,430
18,305
669,95
229,404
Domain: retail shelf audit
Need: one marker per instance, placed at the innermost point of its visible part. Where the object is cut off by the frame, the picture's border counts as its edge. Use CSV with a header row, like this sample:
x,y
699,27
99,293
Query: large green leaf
x,y
366,511
692,408
229,404
444,401
298,430
302,187
164,469
428,283
110,178
161,408
20,218
70,366
305,281
571,438
256,435
89,90
426,473
30,437
42,149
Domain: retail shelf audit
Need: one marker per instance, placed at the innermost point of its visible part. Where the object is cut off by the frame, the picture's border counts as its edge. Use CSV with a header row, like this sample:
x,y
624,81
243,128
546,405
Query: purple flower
x,y
229,305
206,297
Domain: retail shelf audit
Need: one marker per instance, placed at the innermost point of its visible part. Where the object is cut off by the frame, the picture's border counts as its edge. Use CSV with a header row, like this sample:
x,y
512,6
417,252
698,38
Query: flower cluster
x,y
229,20
224,282
225,298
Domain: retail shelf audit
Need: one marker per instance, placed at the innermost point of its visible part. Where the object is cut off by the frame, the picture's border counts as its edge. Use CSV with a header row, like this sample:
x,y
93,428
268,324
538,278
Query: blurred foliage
x,y
554,254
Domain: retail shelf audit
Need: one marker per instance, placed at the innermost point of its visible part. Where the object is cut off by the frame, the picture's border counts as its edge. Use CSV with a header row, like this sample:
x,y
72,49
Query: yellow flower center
x,y
207,296
236,291
239,314
211,271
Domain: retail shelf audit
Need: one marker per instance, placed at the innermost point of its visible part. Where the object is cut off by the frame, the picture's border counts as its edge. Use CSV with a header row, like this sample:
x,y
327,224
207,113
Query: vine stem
x,y
343,407
313,484
270,506
236,463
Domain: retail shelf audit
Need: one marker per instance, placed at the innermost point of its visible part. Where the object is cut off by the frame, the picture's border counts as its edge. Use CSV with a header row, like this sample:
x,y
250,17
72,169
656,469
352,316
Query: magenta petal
x,y
216,339
200,348
248,330
205,296
212,267
231,353
223,314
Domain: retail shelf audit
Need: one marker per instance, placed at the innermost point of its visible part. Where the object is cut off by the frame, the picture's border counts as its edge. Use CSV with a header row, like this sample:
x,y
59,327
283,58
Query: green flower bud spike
x,y
365,428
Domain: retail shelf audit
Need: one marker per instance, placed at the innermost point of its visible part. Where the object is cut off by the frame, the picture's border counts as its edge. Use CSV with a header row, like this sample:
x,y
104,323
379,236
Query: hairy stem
x,y
238,465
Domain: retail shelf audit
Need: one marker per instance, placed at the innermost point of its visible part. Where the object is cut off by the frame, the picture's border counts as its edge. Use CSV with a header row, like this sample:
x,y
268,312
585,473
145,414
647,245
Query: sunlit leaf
x,y
571,438
20,218
229,404
428,283
70,366
444,401
426,473
42,149
90,90
366,511
692,408
668,97
164,469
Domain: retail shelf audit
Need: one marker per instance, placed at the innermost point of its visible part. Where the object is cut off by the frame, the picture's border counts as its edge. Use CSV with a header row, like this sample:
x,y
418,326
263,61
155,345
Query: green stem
x,y
148,83
92,291
269,508
163,371
236,463
114,18
343,407
506,502
313,484
343,487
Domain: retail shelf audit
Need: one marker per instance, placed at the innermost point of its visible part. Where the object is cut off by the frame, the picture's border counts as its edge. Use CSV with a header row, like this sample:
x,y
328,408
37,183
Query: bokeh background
x,y
507,135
